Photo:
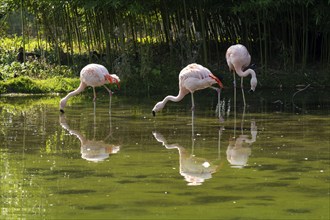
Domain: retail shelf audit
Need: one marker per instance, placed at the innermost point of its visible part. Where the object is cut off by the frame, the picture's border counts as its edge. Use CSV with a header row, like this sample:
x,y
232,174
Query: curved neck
x,y
81,88
246,73
172,98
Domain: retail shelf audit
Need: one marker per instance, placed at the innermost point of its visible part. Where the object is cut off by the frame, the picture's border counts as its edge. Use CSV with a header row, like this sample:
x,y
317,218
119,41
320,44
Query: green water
x,y
92,163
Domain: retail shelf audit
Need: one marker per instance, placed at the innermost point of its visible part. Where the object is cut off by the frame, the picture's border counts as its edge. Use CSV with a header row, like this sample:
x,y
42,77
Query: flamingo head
x,y
159,106
113,78
117,82
253,83
62,105
217,80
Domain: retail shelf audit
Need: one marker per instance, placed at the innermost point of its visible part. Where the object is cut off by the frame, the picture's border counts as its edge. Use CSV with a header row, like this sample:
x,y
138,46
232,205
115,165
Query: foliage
x,y
35,69
147,42
108,25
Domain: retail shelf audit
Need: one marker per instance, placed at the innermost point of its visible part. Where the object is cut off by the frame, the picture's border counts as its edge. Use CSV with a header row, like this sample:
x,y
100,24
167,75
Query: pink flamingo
x,y
238,58
191,78
92,75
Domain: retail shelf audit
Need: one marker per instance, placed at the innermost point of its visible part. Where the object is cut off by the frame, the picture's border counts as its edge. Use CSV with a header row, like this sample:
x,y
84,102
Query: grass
x,y
24,84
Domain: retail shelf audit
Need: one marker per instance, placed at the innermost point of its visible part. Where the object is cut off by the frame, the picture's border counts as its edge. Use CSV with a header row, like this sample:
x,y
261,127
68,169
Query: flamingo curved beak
x,y
217,80
113,80
117,83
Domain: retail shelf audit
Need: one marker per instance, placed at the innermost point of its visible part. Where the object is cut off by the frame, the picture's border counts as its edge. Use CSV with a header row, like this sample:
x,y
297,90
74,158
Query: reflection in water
x,y
39,179
194,169
91,150
239,149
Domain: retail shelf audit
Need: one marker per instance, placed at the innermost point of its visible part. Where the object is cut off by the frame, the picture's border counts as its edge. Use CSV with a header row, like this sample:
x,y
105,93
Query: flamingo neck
x,y
177,98
160,105
171,98
252,73
253,80
246,73
81,88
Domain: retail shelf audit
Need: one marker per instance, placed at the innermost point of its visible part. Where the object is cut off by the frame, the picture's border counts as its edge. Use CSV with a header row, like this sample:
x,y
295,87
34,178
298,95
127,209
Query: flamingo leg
x,y
110,103
110,95
234,82
94,94
192,132
94,117
234,92
243,91
219,109
219,96
242,122
110,92
192,102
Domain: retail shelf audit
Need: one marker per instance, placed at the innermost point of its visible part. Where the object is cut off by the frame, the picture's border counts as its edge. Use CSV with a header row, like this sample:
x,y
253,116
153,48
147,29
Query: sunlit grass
x,y
35,86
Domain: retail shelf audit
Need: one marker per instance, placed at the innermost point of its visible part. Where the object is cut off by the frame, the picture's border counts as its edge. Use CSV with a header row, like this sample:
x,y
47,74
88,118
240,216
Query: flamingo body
x,y
92,75
238,58
191,78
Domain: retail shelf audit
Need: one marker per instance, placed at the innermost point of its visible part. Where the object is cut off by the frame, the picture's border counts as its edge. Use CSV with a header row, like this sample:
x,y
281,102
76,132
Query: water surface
x,y
272,162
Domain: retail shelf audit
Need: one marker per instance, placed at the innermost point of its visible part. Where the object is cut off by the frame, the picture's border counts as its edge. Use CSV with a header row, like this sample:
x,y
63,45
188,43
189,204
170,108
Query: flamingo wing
x,y
196,77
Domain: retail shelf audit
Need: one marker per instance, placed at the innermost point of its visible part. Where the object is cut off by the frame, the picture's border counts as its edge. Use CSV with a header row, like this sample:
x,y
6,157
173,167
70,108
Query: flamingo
x,y
191,78
238,58
92,75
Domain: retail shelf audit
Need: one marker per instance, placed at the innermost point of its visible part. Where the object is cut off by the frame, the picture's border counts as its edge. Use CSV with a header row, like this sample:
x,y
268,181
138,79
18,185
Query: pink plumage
x,y
191,78
92,75
238,58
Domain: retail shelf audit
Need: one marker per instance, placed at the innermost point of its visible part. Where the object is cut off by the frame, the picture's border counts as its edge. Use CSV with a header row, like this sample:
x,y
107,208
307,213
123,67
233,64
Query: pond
x,y
267,161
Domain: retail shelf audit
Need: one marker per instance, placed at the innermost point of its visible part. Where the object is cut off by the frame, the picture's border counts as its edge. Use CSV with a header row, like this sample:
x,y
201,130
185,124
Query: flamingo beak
x,y
117,83
112,80
217,80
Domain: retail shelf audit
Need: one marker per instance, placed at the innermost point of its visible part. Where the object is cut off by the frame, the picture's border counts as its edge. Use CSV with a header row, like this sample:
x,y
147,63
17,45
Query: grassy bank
x,y
152,71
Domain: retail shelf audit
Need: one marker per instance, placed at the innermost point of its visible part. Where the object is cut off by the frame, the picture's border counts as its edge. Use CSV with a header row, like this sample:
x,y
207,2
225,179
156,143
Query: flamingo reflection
x,y
195,170
91,150
239,149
